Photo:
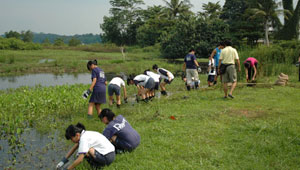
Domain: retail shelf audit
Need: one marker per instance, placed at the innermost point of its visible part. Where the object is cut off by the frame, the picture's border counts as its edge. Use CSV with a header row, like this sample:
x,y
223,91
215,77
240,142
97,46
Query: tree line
x,y
176,28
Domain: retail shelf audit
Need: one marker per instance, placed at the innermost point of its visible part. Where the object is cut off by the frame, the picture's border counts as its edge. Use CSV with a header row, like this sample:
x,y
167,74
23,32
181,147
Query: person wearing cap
x,y
229,57
191,67
119,131
114,87
164,74
144,85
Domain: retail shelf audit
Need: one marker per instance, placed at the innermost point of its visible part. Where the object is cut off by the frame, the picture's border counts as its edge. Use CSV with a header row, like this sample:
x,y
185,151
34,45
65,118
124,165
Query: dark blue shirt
x,y
123,130
189,61
98,73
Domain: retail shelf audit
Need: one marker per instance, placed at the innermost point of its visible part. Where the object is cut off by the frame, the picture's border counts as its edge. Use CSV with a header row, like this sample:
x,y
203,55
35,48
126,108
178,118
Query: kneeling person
x,y
119,131
91,145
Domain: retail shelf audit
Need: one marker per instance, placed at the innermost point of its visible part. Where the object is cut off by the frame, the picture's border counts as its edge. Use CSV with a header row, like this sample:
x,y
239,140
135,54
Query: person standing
x,y
191,68
98,87
119,131
115,86
229,57
215,55
250,65
211,73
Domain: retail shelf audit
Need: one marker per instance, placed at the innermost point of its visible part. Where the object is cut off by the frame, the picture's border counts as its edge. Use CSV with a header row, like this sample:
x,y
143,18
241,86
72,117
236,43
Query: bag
x,y
223,68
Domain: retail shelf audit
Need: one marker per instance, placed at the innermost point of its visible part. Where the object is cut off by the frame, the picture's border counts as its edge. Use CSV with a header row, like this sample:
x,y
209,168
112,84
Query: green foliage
x,y
84,38
12,34
74,42
59,42
192,32
175,8
17,44
278,58
121,27
27,36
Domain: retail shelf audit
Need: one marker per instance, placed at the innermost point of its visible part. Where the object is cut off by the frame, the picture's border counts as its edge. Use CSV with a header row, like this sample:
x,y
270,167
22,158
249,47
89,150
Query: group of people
x,y
100,149
223,61
119,136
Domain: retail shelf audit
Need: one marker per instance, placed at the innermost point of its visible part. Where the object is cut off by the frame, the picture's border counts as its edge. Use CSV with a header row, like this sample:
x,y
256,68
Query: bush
x,y
16,44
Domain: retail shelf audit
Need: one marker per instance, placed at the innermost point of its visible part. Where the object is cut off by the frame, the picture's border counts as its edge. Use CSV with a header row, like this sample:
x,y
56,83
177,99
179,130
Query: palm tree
x,y
175,7
269,12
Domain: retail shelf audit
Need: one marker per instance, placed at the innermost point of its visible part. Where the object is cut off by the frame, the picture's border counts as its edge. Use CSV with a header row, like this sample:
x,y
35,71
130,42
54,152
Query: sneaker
x,y
229,95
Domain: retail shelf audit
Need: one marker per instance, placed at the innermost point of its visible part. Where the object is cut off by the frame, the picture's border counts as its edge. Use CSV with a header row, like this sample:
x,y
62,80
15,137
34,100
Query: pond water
x,y
39,152
46,79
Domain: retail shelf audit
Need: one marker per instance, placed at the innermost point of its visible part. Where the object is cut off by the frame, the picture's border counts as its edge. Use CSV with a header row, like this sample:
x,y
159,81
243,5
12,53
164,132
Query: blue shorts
x,y
112,88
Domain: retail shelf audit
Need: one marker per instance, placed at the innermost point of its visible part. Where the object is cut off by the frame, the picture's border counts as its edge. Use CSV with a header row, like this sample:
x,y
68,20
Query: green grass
x,y
256,130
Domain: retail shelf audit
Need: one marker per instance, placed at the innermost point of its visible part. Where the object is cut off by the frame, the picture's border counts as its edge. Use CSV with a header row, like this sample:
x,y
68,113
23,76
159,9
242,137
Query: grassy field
x,y
256,130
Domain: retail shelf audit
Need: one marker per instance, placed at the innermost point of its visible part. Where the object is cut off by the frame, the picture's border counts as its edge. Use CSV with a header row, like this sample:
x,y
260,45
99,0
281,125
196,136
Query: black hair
x,y
88,65
221,43
108,114
72,130
154,67
145,72
192,49
228,43
247,64
129,78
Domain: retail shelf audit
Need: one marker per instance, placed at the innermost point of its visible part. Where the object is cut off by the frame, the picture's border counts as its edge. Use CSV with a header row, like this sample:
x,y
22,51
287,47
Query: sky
x,y
64,17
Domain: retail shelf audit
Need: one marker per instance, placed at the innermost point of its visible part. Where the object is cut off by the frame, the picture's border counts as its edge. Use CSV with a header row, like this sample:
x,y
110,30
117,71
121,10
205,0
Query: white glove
x,y
62,163
199,69
86,94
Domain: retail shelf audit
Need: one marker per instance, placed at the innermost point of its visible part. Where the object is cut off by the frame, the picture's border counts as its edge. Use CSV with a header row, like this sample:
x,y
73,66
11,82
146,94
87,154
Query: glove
x,y
86,94
125,100
199,69
61,163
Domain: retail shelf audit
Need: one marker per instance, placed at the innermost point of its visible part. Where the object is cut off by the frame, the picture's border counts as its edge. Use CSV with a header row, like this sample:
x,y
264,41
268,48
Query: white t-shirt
x,y
212,67
164,73
92,139
117,81
153,75
141,80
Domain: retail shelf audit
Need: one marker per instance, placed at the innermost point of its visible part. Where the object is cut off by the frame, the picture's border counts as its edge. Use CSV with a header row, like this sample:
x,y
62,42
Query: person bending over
x,y
156,78
91,145
114,86
164,74
119,131
250,65
144,85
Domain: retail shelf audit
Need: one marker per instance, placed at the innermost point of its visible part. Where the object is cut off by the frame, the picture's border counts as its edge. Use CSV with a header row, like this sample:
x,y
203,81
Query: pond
x,y
47,79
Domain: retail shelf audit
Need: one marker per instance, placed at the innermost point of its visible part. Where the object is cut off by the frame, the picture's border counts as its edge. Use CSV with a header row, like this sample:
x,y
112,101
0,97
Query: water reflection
x,y
47,79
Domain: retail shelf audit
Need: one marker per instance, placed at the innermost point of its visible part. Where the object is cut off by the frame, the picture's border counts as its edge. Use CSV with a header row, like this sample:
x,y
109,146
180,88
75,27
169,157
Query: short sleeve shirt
x,y
92,139
164,73
229,55
123,130
155,76
189,61
99,74
252,60
141,80
117,81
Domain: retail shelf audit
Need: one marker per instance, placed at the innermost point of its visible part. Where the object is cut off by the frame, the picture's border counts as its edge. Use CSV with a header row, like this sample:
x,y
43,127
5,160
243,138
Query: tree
x,y
192,32
12,34
211,10
241,27
74,42
59,42
176,7
122,26
290,29
268,11
27,36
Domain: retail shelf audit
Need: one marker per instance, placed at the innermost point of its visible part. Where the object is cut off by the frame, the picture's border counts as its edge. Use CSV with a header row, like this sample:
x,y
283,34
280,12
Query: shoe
x,y
225,97
215,82
229,95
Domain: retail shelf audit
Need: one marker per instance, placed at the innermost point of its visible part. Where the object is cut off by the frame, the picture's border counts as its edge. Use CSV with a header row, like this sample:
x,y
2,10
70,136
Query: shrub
x,y
16,44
